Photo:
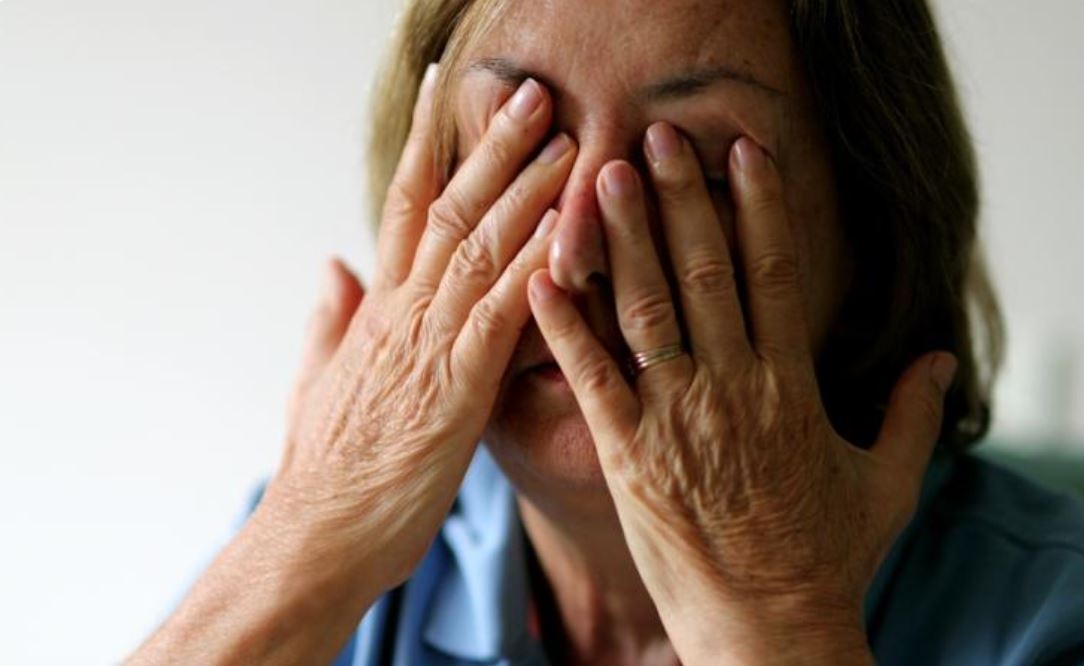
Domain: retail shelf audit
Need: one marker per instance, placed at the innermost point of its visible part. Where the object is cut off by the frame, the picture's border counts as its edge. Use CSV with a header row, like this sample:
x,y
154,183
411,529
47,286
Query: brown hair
x,y
906,177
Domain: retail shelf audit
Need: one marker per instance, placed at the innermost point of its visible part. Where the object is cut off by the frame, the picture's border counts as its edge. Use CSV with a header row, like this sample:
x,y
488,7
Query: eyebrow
x,y
675,87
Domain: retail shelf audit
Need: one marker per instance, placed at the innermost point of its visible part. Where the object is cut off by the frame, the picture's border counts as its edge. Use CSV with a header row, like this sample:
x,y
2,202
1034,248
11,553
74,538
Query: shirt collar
x,y
478,610
479,607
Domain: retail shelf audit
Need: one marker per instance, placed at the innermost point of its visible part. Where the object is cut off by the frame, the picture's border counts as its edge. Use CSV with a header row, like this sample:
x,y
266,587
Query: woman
x,y
700,276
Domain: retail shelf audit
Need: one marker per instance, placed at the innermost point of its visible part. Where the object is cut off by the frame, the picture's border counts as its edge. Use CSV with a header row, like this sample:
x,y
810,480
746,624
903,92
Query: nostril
x,y
578,250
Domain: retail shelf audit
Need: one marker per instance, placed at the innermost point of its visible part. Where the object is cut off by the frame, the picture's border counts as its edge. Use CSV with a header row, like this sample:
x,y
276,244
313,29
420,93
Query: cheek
x,y
818,234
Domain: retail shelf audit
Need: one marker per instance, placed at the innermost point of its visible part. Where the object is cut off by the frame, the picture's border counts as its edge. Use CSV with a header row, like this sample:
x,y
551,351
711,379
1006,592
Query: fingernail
x,y
555,149
748,155
525,101
547,223
618,180
663,142
542,288
943,370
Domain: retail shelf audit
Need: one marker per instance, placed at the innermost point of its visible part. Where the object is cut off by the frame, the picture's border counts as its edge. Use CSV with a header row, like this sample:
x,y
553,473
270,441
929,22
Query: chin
x,y
540,439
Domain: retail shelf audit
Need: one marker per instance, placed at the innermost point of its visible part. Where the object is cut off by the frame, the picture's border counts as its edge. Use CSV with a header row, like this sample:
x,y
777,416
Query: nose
x,y
578,253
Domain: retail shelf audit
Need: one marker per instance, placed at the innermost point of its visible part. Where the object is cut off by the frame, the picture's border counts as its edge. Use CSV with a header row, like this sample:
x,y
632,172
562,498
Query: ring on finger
x,y
643,360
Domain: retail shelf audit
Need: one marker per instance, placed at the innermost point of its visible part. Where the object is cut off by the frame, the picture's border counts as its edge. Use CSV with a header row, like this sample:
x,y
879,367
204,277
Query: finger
x,y
480,260
412,190
912,423
645,307
483,177
340,297
698,249
609,406
776,311
496,321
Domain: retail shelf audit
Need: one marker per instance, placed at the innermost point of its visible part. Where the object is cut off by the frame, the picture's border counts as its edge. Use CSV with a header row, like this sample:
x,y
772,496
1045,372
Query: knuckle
x,y
508,209
488,320
677,185
627,227
564,332
525,261
514,200
402,201
707,275
764,194
498,150
448,218
928,408
774,271
474,262
596,375
759,205
647,311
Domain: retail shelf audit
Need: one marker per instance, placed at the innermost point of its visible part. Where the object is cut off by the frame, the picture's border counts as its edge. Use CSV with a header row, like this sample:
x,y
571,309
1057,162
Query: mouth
x,y
548,371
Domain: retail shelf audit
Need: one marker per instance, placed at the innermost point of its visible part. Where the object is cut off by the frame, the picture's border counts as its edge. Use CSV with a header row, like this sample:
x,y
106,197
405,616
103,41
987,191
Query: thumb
x,y
340,297
915,411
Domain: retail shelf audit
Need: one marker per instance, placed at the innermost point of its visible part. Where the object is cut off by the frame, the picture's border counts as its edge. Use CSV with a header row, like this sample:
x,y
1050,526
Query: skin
x,y
539,435
599,106
398,383
703,510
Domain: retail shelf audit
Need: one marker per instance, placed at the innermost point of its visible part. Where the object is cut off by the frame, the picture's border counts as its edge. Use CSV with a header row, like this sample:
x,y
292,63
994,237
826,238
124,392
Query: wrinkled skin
x,y
746,514
705,507
399,407
723,463
396,386
541,439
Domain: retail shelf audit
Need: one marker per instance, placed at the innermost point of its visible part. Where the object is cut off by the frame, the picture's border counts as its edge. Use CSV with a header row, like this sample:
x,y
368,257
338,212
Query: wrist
x,y
315,544
276,594
771,633
794,644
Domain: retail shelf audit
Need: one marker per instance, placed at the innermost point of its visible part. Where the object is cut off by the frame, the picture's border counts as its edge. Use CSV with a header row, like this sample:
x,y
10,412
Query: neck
x,y
603,608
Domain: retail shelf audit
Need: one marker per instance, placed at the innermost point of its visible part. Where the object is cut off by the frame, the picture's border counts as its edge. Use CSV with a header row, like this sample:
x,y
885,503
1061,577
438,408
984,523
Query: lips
x,y
546,364
550,372
532,353
541,362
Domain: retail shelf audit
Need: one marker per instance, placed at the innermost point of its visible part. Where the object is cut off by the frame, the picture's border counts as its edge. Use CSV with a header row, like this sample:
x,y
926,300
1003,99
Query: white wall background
x,y
173,174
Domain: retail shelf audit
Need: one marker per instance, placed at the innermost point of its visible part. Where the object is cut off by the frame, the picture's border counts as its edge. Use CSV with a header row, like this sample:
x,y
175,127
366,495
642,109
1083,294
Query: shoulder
x,y
994,574
1002,504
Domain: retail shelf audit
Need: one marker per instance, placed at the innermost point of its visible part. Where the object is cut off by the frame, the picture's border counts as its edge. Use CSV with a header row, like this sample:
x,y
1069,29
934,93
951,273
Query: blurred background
x,y
172,178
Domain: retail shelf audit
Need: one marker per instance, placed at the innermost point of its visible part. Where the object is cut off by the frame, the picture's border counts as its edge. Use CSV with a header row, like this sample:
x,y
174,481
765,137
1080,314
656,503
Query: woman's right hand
x,y
382,435
395,390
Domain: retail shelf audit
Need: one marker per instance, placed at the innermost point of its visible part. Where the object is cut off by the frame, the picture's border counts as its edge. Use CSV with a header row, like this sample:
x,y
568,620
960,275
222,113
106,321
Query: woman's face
x,y
715,69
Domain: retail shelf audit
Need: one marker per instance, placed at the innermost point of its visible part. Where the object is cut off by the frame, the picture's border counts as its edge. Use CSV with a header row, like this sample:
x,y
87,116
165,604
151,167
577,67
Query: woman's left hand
x,y
756,528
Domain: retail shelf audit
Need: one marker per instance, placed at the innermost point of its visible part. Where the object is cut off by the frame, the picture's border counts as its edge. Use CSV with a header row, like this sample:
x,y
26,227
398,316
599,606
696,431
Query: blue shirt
x,y
989,571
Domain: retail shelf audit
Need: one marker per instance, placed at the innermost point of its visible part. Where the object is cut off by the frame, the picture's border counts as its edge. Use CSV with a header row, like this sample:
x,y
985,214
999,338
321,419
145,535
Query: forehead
x,y
592,44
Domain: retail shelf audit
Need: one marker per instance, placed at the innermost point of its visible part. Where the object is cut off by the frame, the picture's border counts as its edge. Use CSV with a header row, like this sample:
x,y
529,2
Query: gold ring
x,y
643,360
